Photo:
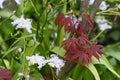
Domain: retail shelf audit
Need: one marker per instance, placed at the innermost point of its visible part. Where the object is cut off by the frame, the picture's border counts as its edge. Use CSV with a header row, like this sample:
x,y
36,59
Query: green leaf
x,y
9,51
105,62
8,14
43,17
2,43
78,72
31,46
60,36
7,63
113,50
92,68
59,50
19,39
36,76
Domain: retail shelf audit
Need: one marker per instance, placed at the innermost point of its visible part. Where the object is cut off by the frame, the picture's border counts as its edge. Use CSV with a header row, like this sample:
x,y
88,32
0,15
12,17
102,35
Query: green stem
x,y
97,36
52,73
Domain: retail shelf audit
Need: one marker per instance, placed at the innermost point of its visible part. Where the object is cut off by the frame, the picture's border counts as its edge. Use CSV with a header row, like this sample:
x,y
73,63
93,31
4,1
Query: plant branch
x,y
95,7
83,6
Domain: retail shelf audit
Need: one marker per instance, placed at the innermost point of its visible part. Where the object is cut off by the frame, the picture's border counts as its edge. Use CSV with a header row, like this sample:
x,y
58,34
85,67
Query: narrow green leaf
x,y
31,35
105,62
9,51
43,17
92,68
78,72
60,36
31,46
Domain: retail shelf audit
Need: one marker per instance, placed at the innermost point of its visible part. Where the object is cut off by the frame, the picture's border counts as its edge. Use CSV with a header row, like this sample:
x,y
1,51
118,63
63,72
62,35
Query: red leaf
x,y
81,49
5,74
67,23
59,18
89,20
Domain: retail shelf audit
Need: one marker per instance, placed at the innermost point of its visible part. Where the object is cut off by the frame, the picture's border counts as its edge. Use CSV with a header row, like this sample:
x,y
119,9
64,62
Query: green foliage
x,y
44,42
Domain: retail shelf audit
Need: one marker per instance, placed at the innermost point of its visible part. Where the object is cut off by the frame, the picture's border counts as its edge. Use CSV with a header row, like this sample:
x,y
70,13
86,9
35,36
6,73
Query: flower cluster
x,y
36,59
79,47
54,61
22,23
102,23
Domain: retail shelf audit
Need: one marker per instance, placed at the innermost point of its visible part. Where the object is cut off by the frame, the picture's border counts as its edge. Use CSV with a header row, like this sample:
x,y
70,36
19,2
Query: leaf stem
x,y
97,35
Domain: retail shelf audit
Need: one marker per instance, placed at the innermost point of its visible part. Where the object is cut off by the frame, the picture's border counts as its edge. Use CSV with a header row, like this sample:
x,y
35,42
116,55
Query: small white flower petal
x,y
103,6
1,3
17,1
36,59
118,6
104,26
102,23
20,74
19,50
55,62
101,20
91,2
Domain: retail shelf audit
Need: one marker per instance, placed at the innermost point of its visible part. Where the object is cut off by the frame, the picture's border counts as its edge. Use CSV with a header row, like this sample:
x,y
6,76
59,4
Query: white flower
x,y
104,26
1,3
26,76
118,6
17,1
74,20
91,2
103,6
102,23
36,59
55,62
101,20
20,75
19,50
70,78
22,23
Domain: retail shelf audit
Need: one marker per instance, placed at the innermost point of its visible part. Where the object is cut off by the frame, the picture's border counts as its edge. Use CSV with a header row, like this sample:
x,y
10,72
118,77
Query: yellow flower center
x,y
32,62
51,64
21,26
63,64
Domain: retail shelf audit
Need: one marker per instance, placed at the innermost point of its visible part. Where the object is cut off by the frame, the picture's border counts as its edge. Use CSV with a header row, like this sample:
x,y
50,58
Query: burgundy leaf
x,y
81,49
68,25
59,18
5,74
65,22
89,20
